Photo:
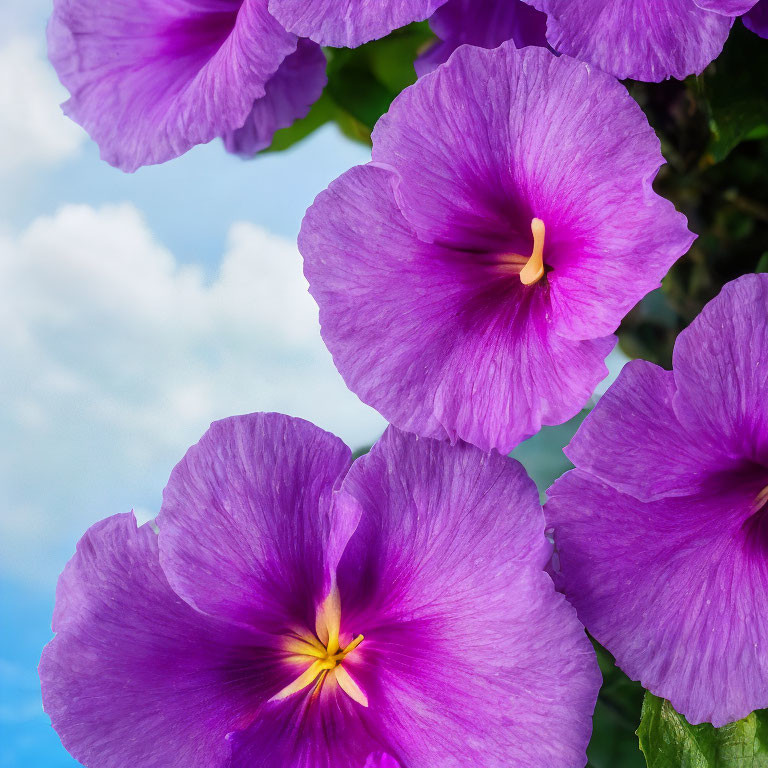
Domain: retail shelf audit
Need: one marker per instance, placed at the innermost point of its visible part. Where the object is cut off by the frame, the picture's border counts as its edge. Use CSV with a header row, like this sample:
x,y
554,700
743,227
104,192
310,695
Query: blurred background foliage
x,y
714,135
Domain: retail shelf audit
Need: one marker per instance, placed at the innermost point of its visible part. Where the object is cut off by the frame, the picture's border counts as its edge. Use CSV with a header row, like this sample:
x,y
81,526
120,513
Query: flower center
x,y
530,268
323,654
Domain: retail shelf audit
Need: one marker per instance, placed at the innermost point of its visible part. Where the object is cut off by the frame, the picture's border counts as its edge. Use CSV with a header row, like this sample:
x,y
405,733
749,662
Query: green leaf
x,y
669,741
762,265
364,81
322,112
735,87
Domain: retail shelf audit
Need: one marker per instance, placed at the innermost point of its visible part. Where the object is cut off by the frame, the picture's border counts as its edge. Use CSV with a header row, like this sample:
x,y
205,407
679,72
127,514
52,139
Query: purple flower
x,y
488,24
757,19
662,528
349,23
642,39
298,613
470,278
150,79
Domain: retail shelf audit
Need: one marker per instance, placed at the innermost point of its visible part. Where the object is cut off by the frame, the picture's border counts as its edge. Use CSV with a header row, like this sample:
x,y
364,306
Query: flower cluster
x,y
294,609
149,79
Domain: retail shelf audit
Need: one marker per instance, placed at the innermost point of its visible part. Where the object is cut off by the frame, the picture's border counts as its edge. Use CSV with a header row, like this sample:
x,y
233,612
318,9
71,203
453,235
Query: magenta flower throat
x,y
470,278
296,612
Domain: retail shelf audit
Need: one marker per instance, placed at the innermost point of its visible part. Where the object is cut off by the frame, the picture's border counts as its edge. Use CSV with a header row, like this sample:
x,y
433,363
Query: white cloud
x,y
33,129
114,357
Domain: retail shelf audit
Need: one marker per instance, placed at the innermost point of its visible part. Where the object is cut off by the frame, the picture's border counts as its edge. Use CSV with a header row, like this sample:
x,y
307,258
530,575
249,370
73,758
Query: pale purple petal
x,y
634,442
246,516
721,372
487,24
290,93
647,40
676,589
661,529
476,167
135,676
469,654
726,7
464,354
149,80
757,19
349,23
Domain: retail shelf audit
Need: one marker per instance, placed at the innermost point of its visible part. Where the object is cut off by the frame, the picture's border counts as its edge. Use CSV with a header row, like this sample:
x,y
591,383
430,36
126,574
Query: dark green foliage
x,y
361,85
736,91
717,175
614,743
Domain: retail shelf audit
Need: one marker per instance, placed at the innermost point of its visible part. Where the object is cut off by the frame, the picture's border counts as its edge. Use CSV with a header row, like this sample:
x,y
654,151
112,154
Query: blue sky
x,y
136,309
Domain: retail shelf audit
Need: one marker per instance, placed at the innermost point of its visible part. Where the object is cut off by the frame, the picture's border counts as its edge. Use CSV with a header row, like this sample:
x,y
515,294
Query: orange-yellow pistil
x,y
761,500
323,654
530,268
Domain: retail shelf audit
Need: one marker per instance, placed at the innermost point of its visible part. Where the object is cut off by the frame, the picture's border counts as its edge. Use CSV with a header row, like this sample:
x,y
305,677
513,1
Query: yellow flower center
x,y
530,268
323,654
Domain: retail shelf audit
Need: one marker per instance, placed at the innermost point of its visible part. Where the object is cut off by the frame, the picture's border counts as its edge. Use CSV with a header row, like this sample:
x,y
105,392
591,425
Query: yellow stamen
x,y
328,620
324,654
761,500
304,644
302,681
349,686
533,271
529,268
359,639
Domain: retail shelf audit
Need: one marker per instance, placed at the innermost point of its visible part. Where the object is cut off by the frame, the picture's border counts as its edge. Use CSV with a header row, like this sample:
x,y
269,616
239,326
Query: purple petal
x,y
647,40
381,760
475,169
464,354
757,19
349,23
246,516
329,731
721,372
487,24
135,676
627,440
726,7
469,654
290,93
676,589
148,81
